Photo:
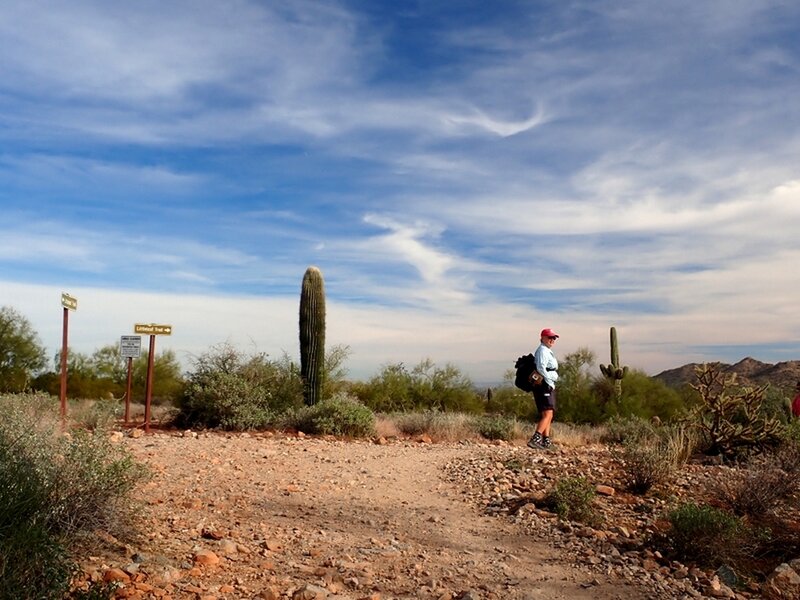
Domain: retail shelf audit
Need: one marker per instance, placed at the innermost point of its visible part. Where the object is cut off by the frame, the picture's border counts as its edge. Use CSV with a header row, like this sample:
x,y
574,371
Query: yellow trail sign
x,y
68,301
152,329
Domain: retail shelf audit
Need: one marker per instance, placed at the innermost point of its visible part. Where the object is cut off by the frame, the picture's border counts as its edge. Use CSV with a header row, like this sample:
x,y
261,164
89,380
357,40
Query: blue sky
x,y
463,173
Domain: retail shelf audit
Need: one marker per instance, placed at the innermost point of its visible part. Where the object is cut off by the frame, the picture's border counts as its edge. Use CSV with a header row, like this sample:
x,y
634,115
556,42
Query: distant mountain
x,y
749,371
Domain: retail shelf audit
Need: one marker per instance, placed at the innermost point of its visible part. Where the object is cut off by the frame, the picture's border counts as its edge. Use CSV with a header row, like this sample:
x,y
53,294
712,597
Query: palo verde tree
x,y
312,335
21,354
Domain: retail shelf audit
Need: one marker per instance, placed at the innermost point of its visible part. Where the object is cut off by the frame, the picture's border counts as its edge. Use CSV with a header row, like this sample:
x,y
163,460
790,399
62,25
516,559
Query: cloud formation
x,y
462,177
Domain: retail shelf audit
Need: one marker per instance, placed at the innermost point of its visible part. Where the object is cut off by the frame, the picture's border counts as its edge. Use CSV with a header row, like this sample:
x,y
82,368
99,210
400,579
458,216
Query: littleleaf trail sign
x,y
152,330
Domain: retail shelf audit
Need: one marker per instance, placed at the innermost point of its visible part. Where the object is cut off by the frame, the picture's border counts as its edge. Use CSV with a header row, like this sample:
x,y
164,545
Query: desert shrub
x,y
708,536
95,414
495,427
730,418
511,402
646,465
572,499
438,425
425,387
231,390
651,455
642,396
55,491
414,423
756,491
573,435
626,429
340,416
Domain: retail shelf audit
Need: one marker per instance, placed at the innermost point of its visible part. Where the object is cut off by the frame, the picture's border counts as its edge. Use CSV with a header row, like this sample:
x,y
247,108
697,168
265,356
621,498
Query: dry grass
x,y
575,436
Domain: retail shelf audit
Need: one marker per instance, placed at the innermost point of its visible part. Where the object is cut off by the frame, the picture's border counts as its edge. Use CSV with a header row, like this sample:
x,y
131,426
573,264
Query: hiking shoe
x,y
536,441
547,444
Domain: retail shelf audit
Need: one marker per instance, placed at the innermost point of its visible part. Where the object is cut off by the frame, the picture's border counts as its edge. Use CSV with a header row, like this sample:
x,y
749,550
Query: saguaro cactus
x,y
614,371
312,334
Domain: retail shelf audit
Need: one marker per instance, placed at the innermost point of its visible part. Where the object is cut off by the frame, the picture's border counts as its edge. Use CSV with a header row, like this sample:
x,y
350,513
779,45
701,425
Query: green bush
x,y
230,390
572,499
651,455
512,402
425,387
55,490
339,416
708,536
646,464
642,396
627,429
495,427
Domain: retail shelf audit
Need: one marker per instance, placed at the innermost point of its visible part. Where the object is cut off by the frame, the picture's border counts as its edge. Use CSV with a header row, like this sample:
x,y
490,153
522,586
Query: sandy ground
x,y
311,518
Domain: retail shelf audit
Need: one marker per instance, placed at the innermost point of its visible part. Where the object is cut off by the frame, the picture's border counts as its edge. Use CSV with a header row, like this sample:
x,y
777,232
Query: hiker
x,y
796,402
545,392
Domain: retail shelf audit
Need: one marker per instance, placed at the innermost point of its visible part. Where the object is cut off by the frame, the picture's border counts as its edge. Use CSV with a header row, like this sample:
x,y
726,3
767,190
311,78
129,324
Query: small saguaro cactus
x,y
614,371
312,335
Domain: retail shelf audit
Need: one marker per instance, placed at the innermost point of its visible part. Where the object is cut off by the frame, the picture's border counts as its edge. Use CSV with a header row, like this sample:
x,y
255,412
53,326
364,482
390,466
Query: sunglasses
x,y
552,337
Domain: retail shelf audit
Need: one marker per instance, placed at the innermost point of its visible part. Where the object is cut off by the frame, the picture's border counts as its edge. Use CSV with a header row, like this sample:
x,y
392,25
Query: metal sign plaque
x,y
130,346
68,301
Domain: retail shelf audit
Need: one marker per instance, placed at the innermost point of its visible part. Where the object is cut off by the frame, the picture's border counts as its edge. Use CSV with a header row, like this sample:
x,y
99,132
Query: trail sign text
x,y
152,329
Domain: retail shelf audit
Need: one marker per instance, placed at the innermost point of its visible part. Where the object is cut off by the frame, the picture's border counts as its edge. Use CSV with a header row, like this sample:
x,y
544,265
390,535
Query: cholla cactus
x,y
730,417
614,371
312,335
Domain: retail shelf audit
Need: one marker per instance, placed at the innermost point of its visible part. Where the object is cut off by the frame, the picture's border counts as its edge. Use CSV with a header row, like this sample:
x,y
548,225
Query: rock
x,y
228,548
310,592
269,593
206,557
116,575
782,584
605,490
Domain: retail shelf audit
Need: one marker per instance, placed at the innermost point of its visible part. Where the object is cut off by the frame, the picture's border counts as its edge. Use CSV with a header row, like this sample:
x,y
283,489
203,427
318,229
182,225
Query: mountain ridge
x,y
749,372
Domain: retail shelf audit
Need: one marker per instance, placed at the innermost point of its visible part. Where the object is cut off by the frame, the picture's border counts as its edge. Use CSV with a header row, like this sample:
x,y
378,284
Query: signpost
x,y
153,330
130,347
69,303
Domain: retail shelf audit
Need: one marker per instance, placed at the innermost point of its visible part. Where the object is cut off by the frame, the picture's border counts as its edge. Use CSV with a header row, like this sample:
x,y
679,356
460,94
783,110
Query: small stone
x,y
605,490
206,557
116,575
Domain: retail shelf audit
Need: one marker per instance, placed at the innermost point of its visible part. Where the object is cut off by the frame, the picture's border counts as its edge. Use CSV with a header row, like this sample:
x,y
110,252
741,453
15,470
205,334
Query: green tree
x,y
511,401
425,387
168,383
643,396
576,402
21,353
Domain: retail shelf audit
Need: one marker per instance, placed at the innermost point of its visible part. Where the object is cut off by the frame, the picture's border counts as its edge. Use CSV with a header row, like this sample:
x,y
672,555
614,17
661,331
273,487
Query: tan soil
x,y
301,517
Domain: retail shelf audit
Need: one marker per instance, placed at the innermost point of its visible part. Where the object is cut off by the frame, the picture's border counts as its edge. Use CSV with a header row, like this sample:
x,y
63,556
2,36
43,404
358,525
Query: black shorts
x,y
545,397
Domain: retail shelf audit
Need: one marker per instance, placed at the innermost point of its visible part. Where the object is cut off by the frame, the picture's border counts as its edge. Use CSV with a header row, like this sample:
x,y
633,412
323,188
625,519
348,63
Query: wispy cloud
x,y
564,163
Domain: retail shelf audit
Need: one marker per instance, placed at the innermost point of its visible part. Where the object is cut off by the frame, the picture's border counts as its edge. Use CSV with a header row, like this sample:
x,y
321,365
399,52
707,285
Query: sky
x,y
463,173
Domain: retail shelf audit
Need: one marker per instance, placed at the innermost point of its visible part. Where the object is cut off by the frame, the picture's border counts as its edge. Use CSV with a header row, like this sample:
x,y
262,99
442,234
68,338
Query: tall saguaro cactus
x,y
614,371
312,335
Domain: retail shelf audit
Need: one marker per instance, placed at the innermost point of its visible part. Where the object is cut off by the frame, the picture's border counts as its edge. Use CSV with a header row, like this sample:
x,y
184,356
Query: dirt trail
x,y
361,520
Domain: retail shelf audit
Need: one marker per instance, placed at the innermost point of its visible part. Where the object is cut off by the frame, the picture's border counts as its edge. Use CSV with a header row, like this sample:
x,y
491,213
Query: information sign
x,y
130,346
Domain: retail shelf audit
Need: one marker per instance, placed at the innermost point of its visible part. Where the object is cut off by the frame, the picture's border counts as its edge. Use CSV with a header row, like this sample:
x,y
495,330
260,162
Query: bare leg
x,y
545,420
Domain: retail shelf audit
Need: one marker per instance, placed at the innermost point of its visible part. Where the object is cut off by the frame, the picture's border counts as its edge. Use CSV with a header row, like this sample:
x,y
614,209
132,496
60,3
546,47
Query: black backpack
x,y
525,367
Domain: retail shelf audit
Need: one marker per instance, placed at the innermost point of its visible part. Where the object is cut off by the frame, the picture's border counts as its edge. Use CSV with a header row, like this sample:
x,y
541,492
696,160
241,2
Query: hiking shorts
x,y
545,397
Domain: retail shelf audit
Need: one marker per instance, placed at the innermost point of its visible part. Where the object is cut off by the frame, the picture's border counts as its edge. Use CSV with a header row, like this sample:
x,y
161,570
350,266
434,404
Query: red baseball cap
x,y
549,333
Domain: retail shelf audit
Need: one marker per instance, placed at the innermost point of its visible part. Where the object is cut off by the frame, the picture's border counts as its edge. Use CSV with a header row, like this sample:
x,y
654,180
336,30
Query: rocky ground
x,y
275,516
